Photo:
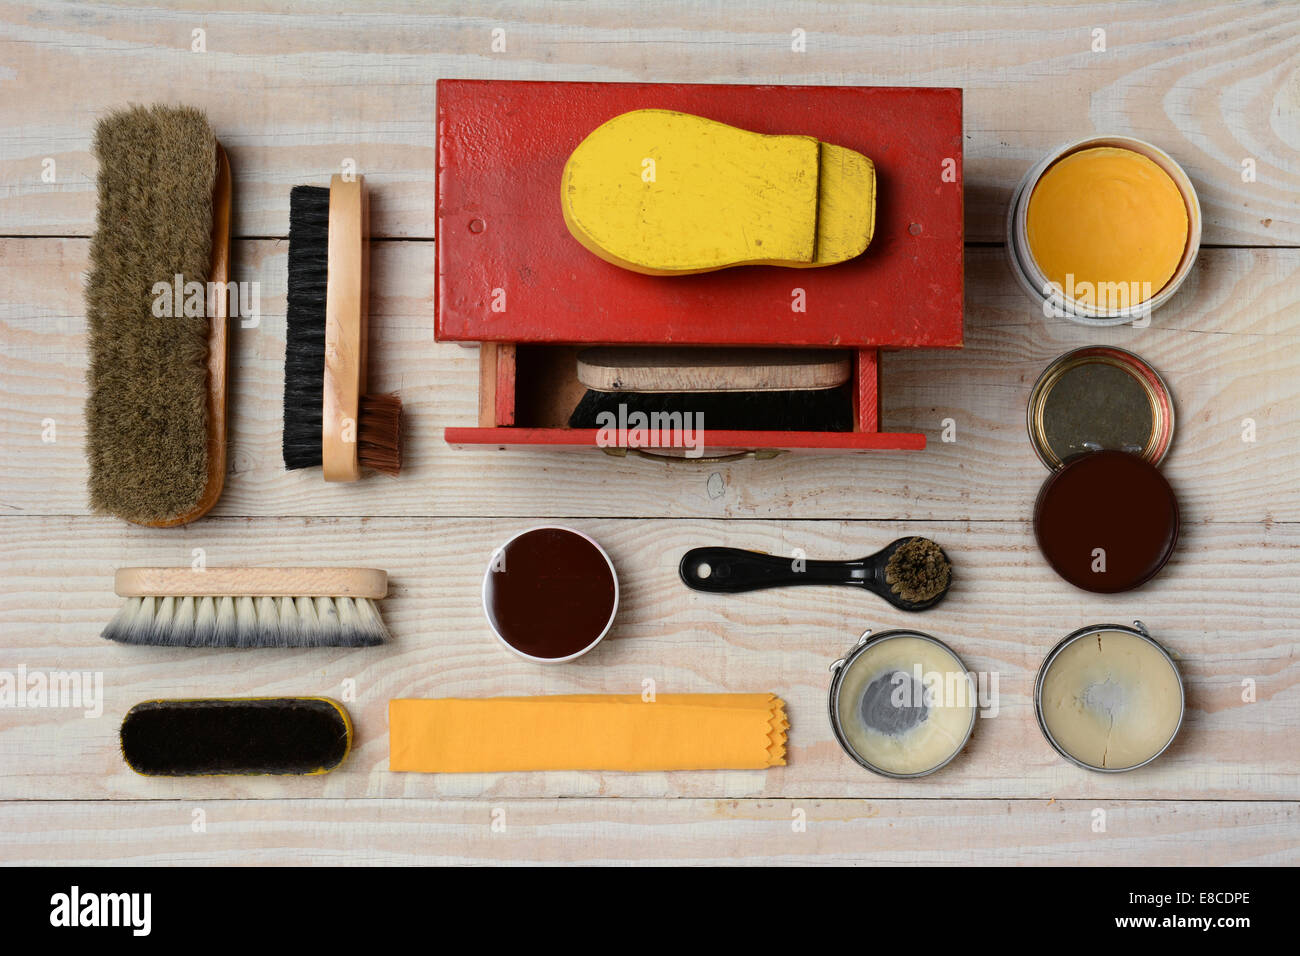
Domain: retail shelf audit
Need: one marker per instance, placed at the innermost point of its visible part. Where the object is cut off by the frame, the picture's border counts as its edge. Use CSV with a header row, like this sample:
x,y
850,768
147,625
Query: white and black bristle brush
x,y
250,607
329,420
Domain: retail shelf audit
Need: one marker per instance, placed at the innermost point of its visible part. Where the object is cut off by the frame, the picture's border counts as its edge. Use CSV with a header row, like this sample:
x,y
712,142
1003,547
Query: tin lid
x,y
1107,521
1100,399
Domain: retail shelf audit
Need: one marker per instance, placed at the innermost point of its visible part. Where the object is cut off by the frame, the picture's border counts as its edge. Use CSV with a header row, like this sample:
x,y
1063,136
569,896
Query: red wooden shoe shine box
x,y
511,277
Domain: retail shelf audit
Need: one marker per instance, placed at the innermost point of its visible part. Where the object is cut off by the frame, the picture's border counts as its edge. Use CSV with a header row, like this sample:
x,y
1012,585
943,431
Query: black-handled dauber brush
x,y
912,574
329,420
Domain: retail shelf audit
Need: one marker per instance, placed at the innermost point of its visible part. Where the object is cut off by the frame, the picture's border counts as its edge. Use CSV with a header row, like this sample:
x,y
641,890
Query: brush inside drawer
x,y
529,393
728,388
665,397
761,389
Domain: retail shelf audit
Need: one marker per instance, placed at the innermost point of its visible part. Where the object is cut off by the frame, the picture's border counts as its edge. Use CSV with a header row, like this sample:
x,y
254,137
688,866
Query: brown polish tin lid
x,y
1107,521
1102,419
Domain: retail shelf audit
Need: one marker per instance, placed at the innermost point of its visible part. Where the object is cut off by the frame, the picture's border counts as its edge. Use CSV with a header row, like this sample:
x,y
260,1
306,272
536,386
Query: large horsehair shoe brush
x,y
329,420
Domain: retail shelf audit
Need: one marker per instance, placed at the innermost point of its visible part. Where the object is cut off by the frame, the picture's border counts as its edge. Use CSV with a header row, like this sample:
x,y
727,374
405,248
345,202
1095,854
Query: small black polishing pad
x,y
279,735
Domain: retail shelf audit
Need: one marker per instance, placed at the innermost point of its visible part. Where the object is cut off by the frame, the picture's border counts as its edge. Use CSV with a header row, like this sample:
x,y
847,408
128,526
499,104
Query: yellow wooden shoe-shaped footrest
x,y
667,193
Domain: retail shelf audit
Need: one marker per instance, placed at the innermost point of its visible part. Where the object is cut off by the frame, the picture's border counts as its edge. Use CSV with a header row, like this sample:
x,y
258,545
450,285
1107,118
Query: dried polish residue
x,y
1111,702
905,705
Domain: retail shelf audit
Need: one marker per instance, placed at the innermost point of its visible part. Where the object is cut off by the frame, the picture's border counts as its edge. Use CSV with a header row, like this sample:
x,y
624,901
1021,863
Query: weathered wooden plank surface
x,y
1229,347
293,94
659,832
1226,605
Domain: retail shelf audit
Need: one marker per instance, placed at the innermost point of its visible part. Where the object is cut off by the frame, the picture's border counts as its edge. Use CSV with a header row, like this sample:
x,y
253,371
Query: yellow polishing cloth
x,y
588,732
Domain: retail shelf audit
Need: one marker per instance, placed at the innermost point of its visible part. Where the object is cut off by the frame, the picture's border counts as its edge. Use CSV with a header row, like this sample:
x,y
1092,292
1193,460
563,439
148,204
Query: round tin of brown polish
x,y
1102,419
550,594
1106,521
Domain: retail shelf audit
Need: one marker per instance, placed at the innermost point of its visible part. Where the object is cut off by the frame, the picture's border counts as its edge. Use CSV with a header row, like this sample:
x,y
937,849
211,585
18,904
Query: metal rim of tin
x,y
840,667
1032,279
1138,630
1157,392
487,575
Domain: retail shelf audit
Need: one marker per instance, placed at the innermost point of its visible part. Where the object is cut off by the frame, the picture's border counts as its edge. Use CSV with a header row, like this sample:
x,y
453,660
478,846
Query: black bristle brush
x,y
329,420
235,735
821,410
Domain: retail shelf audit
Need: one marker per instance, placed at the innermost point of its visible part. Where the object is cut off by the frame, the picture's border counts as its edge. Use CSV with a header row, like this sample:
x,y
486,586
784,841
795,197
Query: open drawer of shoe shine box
x,y
512,277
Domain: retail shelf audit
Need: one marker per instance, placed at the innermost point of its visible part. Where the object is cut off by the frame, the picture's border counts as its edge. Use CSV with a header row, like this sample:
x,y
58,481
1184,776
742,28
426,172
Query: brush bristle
x,y
821,410
304,348
379,433
248,622
287,735
147,404
918,571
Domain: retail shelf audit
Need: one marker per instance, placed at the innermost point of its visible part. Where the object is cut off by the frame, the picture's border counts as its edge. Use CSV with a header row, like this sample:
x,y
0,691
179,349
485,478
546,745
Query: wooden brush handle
x,y
251,582
346,295
711,369
218,309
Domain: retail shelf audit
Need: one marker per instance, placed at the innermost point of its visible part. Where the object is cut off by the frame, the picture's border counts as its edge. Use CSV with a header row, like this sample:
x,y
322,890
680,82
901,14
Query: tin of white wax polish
x,y
1109,698
1035,283
902,704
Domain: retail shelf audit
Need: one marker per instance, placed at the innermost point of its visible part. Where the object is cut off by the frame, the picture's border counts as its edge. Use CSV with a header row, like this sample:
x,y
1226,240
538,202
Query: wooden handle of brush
x,y
218,309
346,318
708,369
251,582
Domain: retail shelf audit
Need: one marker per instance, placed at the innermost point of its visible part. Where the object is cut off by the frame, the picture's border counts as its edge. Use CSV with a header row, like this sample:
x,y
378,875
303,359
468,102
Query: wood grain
x,y
347,302
656,833
1225,605
318,581
293,95
712,369
1226,346
298,95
